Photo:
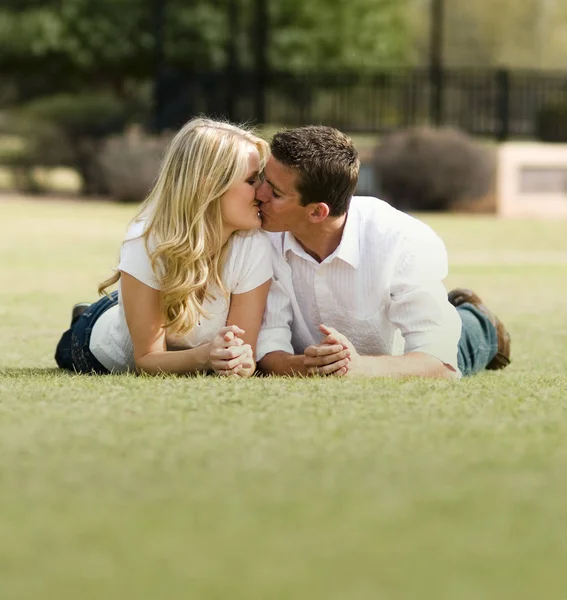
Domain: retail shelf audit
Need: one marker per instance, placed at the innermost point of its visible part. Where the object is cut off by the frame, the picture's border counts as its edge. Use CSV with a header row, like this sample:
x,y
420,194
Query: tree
x,y
497,33
110,36
339,34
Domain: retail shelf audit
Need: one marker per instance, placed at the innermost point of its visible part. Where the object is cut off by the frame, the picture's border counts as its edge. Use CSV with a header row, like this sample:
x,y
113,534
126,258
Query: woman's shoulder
x,y
135,229
249,261
249,256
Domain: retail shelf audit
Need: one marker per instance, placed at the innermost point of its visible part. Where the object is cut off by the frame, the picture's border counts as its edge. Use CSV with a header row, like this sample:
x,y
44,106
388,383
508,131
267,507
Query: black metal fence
x,y
499,104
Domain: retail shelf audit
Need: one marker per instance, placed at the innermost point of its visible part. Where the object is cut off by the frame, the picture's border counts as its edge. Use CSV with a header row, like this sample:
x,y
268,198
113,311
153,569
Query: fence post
x,y
437,86
232,88
261,58
436,61
159,8
503,104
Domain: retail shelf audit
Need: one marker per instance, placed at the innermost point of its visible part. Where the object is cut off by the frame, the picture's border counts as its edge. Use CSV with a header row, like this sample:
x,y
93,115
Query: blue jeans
x,y
73,352
478,343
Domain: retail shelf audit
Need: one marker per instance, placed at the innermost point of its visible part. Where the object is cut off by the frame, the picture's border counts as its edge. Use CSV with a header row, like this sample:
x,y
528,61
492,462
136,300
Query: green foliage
x,y
81,115
66,130
551,123
343,34
114,39
495,33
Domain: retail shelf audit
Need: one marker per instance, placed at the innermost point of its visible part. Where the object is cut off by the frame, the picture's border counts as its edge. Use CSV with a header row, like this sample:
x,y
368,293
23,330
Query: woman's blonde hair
x,y
183,212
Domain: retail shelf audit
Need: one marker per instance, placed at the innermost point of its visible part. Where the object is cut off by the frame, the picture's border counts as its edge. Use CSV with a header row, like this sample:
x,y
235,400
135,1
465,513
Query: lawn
x,y
199,488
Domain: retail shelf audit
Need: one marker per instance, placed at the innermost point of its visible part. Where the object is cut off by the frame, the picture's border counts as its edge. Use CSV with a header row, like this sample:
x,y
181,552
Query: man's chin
x,y
269,225
270,228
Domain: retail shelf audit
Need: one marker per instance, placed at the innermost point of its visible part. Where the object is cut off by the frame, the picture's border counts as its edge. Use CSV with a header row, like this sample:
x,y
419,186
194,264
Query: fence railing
x,y
499,104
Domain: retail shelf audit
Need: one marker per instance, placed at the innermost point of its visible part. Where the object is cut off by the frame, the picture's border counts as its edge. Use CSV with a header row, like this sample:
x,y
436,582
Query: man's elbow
x,y
446,372
441,370
268,364
279,362
432,367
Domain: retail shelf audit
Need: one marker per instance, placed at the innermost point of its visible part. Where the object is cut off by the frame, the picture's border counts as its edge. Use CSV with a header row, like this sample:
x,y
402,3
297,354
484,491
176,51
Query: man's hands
x,y
333,356
229,355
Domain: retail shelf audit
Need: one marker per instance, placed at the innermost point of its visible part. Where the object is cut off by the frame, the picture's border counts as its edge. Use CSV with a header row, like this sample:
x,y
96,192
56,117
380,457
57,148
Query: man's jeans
x,y
478,343
73,352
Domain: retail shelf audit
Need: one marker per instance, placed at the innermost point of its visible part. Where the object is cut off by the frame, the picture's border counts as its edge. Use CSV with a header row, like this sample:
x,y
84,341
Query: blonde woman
x,y
193,277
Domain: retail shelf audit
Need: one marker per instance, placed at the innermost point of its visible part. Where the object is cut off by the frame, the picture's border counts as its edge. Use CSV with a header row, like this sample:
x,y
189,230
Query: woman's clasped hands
x,y
229,356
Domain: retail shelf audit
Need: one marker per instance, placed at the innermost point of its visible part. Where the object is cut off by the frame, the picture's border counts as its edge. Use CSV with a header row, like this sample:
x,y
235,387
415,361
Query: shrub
x,y
81,115
551,123
129,164
432,169
67,130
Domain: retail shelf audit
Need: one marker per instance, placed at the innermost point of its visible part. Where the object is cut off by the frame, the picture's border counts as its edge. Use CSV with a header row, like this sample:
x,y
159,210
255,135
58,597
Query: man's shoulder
x,y
373,210
373,206
380,223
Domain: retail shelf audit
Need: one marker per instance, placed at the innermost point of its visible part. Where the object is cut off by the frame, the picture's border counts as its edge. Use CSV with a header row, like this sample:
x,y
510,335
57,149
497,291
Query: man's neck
x,y
320,240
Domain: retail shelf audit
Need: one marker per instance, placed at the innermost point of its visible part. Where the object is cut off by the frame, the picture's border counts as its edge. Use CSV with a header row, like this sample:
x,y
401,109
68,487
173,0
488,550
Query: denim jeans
x,y
73,352
478,343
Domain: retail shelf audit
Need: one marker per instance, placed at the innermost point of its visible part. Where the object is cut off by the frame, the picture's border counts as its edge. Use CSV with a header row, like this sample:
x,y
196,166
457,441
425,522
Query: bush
x,y
432,169
79,116
130,163
67,130
551,123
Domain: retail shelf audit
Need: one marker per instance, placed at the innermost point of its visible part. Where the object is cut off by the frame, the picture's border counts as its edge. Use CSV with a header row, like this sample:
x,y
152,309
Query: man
x,y
357,285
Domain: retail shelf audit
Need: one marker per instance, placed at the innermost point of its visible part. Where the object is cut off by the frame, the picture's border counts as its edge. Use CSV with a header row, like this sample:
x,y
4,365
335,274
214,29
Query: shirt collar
x,y
348,250
291,244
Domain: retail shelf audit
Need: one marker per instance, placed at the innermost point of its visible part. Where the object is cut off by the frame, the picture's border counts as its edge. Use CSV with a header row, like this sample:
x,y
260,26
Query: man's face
x,y
279,199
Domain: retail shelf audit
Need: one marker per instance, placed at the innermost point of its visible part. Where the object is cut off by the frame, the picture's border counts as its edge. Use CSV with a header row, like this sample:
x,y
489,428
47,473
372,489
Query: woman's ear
x,y
318,212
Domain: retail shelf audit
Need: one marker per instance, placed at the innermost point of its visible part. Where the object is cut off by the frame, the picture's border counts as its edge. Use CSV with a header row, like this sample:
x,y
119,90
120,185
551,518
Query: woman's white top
x,y
248,264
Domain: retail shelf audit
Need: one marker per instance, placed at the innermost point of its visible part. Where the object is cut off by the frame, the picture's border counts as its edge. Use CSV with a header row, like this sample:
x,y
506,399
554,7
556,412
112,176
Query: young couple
x,y
340,285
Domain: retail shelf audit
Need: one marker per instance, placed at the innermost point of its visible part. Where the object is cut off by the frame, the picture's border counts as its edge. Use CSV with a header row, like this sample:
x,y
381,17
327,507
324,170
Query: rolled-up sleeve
x,y
275,333
419,304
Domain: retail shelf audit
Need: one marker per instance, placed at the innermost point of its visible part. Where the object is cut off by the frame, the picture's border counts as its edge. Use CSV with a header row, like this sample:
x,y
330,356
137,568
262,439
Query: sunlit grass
x,y
122,486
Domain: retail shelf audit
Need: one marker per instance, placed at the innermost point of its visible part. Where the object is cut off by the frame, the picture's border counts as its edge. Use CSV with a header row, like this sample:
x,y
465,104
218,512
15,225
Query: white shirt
x,y
248,264
382,288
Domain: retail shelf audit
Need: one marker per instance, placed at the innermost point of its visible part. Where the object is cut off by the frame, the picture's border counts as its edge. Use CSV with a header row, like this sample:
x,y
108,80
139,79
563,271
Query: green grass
x,y
123,487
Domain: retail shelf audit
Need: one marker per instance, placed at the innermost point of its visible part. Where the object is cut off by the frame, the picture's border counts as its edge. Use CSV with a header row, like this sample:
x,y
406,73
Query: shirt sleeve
x,y
255,262
419,304
275,332
135,261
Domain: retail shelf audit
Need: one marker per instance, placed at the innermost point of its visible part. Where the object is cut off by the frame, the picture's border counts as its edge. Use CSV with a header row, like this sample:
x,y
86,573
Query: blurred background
x,y
90,92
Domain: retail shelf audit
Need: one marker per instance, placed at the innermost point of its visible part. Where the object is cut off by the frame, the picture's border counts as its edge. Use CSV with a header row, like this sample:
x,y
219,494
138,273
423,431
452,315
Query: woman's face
x,y
239,207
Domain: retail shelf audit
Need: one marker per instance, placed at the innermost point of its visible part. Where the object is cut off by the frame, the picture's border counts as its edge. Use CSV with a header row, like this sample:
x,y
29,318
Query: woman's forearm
x,y
192,360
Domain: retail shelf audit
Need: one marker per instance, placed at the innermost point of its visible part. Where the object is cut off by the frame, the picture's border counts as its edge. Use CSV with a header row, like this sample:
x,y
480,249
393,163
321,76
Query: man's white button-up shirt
x,y
382,288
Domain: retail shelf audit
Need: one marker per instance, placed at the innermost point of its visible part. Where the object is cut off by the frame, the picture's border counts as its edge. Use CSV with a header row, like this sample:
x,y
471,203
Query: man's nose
x,y
264,192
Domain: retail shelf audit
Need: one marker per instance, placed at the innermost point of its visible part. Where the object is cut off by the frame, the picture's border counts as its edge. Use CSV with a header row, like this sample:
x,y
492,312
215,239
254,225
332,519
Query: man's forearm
x,y
282,363
413,364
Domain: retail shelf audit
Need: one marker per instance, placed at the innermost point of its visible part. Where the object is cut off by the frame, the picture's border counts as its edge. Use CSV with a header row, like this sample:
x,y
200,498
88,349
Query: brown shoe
x,y
78,310
459,296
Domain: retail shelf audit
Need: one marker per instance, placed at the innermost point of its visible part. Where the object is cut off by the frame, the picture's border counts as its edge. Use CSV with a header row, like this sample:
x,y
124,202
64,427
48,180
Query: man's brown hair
x,y
326,162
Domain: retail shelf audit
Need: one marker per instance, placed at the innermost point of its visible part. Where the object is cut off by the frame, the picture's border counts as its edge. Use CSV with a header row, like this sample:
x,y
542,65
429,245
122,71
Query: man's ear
x,y
318,212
